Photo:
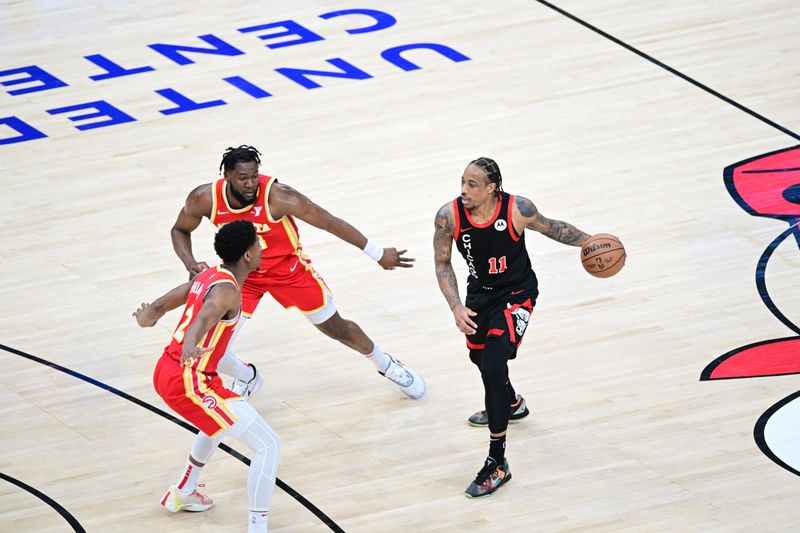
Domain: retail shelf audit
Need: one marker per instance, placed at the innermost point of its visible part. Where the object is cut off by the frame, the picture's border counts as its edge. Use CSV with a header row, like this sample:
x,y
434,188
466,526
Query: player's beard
x,y
239,197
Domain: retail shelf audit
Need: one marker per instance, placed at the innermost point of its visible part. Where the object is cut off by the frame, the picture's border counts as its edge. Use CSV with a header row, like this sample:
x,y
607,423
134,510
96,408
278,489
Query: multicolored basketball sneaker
x,y
491,477
173,501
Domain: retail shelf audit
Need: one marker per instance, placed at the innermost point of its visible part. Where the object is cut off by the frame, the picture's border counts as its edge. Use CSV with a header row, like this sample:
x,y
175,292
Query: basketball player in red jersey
x,y
285,270
488,227
186,375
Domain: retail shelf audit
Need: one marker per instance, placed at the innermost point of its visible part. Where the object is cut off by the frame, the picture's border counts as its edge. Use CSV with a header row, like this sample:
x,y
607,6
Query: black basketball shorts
x,y
504,319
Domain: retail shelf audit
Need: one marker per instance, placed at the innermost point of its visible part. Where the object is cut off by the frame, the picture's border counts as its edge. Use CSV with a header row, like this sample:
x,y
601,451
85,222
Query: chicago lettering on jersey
x,y
101,113
465,240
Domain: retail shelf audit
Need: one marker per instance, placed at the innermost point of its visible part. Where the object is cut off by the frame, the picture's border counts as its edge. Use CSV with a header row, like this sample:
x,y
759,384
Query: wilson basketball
x,y
603,255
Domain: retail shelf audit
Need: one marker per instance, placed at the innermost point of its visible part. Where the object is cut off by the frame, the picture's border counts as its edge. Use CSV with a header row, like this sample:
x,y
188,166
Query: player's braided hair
x,y
242,154
233,239
489,166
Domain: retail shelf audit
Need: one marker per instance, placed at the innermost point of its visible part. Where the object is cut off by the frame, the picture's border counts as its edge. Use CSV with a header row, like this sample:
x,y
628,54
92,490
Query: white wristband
x,y
373,250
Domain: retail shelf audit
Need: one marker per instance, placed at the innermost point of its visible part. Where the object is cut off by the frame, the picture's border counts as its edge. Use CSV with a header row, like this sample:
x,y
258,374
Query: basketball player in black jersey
x,y
488,227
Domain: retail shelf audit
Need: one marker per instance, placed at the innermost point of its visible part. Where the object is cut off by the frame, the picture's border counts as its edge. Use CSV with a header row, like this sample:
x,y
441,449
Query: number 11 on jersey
x,y
493,261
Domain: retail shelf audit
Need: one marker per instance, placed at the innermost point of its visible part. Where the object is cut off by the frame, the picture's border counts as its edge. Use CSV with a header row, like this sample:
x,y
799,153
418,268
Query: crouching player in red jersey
x,y
187,380
285,272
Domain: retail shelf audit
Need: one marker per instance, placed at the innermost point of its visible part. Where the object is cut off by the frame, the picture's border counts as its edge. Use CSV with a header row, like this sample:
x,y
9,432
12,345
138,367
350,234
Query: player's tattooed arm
x,y
557,230
442,253
442,250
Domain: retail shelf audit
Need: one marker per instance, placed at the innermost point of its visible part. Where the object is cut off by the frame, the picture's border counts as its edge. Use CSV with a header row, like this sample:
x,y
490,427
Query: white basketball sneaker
x,y
247,388
173,501
409,381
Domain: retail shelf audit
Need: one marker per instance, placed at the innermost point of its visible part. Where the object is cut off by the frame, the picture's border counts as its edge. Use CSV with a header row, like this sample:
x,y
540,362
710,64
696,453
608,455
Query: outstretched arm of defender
x,y
284,200
531,218
198,205
445,275
148,314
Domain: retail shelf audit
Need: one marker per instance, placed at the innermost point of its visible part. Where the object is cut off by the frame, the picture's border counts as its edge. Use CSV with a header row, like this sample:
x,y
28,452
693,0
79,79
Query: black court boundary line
x,y
48,500
671,70
761,278
286,488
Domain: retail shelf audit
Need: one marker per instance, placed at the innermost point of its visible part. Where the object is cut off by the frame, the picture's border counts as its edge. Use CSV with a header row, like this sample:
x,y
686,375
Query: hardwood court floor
x,y
623,435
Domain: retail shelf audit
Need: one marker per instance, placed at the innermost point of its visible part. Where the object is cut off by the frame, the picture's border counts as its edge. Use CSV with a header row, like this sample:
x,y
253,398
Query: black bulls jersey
x,y
496,256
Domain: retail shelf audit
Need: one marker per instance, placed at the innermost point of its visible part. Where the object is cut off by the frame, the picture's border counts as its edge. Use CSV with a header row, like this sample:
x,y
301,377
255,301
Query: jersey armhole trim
x,y
214,203
511,229
457,220
270,181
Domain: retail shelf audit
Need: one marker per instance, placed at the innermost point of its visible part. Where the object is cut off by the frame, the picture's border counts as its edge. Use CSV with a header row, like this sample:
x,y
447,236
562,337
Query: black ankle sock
x,y
497,448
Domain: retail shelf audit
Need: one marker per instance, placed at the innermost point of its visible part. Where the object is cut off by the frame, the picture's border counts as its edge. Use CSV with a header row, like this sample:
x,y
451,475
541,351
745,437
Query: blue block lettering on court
x,y
112,69
101,108
175,52
382,20
301,75
245,86
34,74
394,55
25,131
303,34
184,103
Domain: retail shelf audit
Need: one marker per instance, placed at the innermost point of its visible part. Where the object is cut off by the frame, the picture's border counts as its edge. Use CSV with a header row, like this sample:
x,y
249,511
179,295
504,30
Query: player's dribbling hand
x,y
146,316
196,267
190,353
463,321
392,258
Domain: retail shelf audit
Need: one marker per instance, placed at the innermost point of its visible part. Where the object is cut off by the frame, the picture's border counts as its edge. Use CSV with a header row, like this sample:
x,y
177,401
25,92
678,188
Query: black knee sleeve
x,y
494,372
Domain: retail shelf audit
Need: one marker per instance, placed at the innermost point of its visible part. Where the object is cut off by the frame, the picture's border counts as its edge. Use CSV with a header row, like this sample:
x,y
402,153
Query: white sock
x,y
258,521
202,450
187,483
378,358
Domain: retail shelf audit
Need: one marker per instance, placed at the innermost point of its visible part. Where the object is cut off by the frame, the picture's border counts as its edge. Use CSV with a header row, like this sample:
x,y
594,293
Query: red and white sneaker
x,y
173,501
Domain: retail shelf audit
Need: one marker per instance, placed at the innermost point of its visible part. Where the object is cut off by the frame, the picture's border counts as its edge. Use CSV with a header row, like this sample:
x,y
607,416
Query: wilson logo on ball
x,y
594,247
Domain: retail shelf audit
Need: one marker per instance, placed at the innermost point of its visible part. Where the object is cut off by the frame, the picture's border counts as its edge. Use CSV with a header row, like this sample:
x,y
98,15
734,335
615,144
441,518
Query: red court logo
x,y
769,186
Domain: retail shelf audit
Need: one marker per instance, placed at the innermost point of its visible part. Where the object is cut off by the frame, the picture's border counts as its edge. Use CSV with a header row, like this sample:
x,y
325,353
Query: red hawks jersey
x,y
217,337
280,239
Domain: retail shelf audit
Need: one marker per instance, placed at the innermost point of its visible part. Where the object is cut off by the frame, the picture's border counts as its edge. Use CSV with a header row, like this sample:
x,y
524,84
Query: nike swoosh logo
x,y
222,212
295,266
517,292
